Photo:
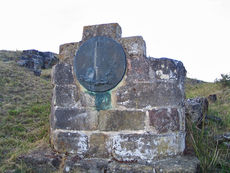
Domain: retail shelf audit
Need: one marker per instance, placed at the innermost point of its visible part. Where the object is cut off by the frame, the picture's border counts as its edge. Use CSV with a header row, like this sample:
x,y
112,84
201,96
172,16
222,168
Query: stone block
x,y
147,95
70,142
86,166
62,74
68,51
137,70
115,120
166,69
74,119
165,120
99,146
115,167
134,46
65,95
148,147
179,164
112,30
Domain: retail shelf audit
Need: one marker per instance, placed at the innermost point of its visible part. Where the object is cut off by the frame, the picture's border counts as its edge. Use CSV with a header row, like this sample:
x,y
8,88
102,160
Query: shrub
x,y
224,80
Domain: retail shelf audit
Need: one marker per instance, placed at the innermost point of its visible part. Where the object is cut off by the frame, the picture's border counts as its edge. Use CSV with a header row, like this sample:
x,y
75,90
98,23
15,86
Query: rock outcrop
x,y
36,60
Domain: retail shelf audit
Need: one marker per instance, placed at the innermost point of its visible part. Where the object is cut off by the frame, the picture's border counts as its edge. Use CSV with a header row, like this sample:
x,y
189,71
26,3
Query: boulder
x,y
196,108
36,60
212,98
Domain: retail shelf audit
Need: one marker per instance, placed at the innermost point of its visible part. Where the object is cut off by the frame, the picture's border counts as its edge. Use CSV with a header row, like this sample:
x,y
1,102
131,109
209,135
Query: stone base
x,y
43,159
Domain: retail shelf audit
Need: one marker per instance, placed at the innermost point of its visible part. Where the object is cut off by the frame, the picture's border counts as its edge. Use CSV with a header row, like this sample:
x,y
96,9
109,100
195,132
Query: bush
x,y
224,80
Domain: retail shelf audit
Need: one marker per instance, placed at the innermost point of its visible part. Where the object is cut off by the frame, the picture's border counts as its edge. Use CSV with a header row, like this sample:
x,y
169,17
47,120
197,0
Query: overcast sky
x,y
196,32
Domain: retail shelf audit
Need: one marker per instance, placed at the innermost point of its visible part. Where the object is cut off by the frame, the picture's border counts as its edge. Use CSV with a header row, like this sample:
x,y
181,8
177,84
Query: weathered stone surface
x,y
99,146
62,74
166,69
112,30
70,142
129,168
165,120
184,164
36,60
75,119
43,159
135,147
196,108
137,70
68,51
86,166
135,47
65,95
145,95
115,120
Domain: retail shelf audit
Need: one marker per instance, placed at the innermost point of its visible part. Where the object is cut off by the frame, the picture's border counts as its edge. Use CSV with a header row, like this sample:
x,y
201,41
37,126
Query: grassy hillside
x,y
24,109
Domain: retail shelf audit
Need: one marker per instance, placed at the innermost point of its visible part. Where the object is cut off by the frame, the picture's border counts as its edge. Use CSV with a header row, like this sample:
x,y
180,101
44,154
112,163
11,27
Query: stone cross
x,y
140,117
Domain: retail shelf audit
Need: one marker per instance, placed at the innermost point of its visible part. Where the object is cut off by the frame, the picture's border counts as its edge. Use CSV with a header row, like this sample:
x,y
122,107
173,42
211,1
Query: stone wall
x,y
141,119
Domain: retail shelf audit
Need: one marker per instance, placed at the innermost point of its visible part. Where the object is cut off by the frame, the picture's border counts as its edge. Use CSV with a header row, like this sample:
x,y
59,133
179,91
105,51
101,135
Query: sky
x,y
196,32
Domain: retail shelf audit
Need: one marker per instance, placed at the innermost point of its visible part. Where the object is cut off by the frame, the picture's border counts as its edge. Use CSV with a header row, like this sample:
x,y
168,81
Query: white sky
x,y
197,32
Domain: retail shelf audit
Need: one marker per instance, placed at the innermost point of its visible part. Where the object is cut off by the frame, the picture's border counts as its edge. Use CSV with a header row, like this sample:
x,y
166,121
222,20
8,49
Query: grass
x,y
24,110
213,155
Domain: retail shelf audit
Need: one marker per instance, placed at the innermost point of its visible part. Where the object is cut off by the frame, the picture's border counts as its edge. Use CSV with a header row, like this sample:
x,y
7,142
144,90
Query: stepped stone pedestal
x,y
140,122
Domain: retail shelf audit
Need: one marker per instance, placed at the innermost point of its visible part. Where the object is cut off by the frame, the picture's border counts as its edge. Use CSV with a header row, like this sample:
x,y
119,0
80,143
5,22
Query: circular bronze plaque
x,y
100,64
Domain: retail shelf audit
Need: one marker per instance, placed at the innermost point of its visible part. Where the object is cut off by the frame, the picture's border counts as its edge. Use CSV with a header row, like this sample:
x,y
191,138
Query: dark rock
x,y
212,98
222,137
42,159
184,164
130,168
86,165
219,138
214,118
227,136
36,60
196,108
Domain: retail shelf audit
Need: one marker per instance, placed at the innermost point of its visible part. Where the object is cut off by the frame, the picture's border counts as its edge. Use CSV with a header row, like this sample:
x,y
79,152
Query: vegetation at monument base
x,y
25,108
213,154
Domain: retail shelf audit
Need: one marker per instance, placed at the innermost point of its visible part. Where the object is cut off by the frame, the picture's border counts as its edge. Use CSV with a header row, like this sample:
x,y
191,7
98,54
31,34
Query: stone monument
x,y
113,106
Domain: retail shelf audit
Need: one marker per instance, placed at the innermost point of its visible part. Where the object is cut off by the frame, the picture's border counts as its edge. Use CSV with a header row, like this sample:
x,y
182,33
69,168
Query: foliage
x,y
224,80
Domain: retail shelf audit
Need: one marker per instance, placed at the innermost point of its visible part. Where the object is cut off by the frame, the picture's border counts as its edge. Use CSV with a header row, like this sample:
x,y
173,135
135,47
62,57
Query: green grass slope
x,y
24,109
